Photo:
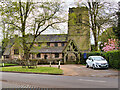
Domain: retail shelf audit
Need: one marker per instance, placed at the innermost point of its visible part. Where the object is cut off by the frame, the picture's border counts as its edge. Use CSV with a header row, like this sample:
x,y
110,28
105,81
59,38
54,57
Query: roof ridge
x,y
52,34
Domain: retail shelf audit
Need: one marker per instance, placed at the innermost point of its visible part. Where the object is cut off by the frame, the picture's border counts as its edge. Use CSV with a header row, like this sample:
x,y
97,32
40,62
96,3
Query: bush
x,y
113,58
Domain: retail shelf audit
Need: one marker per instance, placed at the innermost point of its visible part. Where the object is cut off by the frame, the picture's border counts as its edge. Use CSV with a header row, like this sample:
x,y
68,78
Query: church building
x,y
55,47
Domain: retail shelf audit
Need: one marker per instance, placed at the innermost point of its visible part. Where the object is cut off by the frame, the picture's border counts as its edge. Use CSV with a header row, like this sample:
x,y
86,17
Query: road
x,y
22,80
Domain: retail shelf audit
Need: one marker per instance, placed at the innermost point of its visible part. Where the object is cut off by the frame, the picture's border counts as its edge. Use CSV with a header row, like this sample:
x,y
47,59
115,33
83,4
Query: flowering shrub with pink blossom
x,y
112,44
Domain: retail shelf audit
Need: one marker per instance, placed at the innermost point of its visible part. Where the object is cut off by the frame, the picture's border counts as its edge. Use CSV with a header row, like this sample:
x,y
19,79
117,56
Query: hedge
x,y
113,58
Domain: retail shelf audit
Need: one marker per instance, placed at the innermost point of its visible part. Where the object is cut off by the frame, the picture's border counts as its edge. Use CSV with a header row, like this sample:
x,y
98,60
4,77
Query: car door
x,y
90,62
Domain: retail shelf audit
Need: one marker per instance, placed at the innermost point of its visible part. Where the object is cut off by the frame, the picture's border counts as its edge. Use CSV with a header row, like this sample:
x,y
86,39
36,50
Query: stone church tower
x,y
78,29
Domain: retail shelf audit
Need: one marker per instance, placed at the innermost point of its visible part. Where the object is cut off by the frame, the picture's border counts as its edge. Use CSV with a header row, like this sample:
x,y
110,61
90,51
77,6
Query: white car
x,y
96,62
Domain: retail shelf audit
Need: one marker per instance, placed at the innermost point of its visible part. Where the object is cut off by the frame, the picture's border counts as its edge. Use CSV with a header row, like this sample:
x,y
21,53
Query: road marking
x,y
91,80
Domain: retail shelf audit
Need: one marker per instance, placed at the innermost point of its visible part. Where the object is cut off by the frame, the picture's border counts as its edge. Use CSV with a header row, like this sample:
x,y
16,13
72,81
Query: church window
x,y
56,44
38,55
56,55
62,44
16,51
48,44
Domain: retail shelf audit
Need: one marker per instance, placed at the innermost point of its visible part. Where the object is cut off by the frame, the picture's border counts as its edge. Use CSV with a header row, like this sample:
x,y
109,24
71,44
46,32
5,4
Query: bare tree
x,y
101,16
35,17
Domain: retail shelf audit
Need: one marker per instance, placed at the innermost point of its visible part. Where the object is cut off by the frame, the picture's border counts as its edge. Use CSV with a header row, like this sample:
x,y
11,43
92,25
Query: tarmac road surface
x,y
22,80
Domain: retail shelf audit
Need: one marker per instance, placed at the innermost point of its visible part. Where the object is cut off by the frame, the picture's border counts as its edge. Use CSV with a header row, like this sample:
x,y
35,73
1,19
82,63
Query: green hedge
x,y
113,57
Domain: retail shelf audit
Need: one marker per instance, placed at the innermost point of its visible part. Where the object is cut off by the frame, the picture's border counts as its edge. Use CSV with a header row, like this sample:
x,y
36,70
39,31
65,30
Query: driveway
x,y
81,70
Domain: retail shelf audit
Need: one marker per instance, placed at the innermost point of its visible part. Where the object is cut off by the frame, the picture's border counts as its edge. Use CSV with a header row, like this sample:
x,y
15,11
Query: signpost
x,y
85,55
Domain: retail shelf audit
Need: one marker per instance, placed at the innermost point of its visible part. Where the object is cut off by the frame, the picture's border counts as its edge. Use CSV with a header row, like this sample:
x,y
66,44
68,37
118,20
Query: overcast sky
x,y
64,27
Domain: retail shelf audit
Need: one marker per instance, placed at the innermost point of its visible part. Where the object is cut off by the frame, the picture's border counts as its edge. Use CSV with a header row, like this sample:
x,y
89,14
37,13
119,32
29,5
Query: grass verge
x,y
47,70
7,64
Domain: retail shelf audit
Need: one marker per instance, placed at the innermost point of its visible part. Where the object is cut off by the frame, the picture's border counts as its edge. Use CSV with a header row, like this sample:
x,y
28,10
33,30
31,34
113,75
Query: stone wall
x,y
49,56
77,28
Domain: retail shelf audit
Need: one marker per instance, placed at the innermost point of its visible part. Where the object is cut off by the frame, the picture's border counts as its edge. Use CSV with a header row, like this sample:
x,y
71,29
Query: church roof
x,y
8,47
50,38
42,38
47,50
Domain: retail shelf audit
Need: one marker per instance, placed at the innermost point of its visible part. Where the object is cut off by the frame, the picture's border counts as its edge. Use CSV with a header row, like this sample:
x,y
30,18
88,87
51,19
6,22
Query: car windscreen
x,y
98,58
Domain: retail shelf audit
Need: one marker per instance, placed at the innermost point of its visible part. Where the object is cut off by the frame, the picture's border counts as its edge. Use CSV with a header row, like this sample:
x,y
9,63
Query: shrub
x,y
113,58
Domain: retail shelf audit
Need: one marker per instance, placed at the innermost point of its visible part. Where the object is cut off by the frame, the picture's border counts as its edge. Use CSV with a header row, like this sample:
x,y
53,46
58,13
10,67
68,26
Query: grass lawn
x,y
8,64
49,70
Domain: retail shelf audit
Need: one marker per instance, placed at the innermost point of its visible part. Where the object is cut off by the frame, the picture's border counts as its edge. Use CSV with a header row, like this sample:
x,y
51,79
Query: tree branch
x,y
14,25
36,35
21,15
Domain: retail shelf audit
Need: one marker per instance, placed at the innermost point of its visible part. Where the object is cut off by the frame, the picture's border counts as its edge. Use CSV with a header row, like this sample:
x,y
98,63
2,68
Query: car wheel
x,y
106,68
87,66
93,67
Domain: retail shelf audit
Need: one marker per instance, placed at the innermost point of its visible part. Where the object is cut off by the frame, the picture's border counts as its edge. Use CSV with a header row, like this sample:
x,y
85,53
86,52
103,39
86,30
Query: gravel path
x,y
81,70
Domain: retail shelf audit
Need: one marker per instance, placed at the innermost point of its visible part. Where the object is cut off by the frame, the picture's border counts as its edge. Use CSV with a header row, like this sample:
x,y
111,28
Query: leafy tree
x,y
107,34
117,29
7,32
34,17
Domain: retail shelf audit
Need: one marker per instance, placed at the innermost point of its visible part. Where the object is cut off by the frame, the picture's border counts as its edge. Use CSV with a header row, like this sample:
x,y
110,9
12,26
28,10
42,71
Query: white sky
x,y
64,27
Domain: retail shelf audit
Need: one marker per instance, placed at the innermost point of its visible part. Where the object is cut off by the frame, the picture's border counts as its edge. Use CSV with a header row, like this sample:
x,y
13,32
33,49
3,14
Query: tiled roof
x,y
50,38
48,50
8,47
42,38
7,50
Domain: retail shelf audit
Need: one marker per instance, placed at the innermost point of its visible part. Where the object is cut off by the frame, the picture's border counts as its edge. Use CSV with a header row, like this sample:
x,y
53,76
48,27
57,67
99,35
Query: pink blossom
x,y
105,43
114,39
109,40
111,45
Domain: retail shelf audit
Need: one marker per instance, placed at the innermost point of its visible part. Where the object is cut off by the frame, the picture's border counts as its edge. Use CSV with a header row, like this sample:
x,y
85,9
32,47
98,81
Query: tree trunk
x,y
96,43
